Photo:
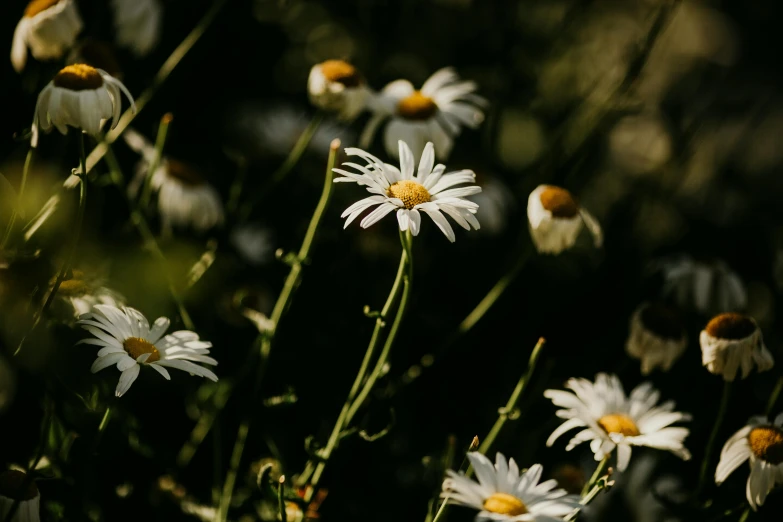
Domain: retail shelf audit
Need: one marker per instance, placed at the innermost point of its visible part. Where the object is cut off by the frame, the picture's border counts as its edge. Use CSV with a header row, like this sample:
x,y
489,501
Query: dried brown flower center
x,y
410,192
559,202
766,442
662,321
341,72
619,423
36,6
505,504
12,482
417,107
136,347
78,77
184,173
731,326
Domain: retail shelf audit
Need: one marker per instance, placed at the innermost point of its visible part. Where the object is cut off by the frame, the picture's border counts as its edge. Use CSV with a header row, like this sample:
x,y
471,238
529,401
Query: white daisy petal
x,y
126,379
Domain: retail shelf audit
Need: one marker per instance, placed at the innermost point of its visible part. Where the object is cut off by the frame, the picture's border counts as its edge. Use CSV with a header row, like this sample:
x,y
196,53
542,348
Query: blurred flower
x,y
657,337
11,483
761,442
502,493
253,242
138,24
7,384
126,339
556,219
96,54
613,421
398,189
80,292
707,287
48,28
640,144
336,86
184,196
731,342
495,202
80,96
435,113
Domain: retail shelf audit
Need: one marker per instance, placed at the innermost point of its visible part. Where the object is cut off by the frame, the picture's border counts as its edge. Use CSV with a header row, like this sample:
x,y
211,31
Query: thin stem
x,y
511,405
27,162
599,471
474,444
102,428
705,464
231,477
774,397
281,500
287,166
745,515
160,142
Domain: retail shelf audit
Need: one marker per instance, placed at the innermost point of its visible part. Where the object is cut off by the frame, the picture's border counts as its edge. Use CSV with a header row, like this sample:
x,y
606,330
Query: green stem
x,y
160,142
285,168
265,339
27,162
774,397
102,428
511,405
599,471
281,500
705,464
359,393
745,515
473,447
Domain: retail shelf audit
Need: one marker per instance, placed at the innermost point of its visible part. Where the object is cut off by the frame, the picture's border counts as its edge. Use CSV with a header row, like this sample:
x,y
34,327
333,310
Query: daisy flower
x,y
138,24
429,191
708,287
126,339
11,491
610,420
80,96
731,342
435,113
336,86
79,292
760,442
48,28
503,493
657,337
555,220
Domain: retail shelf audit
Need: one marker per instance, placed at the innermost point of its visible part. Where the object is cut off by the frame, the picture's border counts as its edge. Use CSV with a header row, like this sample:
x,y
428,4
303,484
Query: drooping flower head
x,y
79,96
48,28
611,421
429,191
126,339
732,342
15,486
555,220
80,291
657,337
761,443
503,493
435,113
336,86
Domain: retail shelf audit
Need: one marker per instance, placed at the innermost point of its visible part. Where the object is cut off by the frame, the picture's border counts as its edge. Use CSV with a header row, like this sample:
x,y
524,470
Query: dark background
x,y
542,65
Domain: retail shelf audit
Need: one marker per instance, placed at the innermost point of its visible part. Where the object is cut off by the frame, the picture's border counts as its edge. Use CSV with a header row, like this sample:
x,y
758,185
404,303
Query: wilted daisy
x,y
11,490
503,493
761,442
708,287
48,28
657,337
126,339
556,219
336,86
610,420
80,291
80,96
435,113
429,191
731,342
185,198
138,24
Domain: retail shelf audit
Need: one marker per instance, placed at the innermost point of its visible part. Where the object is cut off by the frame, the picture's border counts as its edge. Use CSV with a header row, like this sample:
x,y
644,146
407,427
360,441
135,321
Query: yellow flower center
x,y
11,483
78,77
410,192
619,423
505,504
559,202
36,6
417,107
342,72
766,442
73,285
184,173
731,326
662,321
136,347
